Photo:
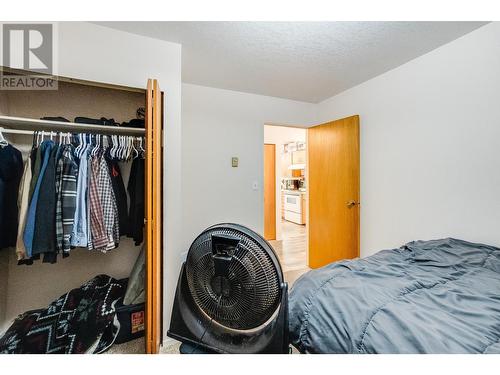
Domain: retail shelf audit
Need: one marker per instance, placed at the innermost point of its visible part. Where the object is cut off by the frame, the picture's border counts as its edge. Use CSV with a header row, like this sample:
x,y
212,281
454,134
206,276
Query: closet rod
x,y
32,132
22,123
16,131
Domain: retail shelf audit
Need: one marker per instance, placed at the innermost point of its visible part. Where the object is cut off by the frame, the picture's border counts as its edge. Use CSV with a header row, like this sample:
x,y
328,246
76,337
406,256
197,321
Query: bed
x,y
440,296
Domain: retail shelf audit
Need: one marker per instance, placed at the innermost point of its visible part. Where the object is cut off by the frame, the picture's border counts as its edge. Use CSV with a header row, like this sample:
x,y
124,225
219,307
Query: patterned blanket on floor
x,y
80,321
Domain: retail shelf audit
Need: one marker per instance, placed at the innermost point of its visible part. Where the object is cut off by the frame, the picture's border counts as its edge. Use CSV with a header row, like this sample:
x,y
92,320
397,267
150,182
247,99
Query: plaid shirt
x,y
66,177
98,238
104,226
108,203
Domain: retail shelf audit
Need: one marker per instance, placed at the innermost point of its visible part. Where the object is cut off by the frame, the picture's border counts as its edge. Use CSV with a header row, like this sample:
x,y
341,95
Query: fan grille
x,y
252,281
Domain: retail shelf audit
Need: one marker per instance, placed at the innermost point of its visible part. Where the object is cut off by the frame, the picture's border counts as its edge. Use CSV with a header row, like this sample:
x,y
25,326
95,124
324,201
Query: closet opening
x,y
84,168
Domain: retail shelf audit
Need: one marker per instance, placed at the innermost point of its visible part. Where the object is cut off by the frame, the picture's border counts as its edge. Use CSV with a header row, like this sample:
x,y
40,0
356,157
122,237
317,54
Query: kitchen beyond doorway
x,y
285,189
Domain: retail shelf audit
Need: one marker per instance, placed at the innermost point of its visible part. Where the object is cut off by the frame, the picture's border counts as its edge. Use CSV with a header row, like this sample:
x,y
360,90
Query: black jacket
x,y
11,171
120,194
44,238
136,192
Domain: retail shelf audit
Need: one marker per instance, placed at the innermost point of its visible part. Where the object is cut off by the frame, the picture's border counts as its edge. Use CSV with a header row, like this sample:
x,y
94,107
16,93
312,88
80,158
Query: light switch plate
x,y
234,162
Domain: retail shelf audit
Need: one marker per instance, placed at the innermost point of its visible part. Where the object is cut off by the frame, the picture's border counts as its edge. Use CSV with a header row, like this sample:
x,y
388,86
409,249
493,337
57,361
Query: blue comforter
x,y
440,296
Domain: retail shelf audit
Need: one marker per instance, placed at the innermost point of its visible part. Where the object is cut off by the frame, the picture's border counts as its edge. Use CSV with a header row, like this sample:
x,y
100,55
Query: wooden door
x,y
270,191
333,185
154,199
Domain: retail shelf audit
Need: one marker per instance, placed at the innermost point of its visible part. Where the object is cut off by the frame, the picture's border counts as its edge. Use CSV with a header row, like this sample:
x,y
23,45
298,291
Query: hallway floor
x,y
292,250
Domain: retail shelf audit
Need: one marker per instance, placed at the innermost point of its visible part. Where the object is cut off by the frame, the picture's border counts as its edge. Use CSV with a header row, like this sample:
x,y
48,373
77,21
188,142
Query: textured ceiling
x,y
307,61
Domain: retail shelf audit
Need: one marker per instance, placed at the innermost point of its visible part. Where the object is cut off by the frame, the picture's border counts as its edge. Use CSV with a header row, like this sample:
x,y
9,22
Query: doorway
x,y
315,180
285,186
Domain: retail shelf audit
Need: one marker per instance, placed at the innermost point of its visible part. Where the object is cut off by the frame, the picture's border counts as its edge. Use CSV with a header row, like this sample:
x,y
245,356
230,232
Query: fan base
x,y
193,349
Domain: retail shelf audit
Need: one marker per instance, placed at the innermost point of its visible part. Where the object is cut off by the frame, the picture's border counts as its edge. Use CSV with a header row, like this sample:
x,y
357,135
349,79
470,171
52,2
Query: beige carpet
x,y
137,347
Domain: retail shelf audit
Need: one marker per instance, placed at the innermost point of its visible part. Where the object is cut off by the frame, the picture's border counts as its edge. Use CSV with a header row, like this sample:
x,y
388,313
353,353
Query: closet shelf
x,y
22,123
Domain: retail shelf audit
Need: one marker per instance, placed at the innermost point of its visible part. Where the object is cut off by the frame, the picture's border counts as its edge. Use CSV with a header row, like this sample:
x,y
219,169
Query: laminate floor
x,y
292,250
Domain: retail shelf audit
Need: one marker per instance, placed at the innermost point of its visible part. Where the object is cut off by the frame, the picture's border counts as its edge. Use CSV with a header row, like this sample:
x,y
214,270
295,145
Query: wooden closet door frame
x,y
154,216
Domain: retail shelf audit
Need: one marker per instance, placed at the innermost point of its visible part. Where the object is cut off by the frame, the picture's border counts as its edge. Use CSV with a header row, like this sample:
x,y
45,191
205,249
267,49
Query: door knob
x,y
352,203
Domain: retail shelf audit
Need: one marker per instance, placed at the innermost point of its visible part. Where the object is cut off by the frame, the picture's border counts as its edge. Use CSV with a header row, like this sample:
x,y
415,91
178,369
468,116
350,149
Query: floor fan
x,y
231,296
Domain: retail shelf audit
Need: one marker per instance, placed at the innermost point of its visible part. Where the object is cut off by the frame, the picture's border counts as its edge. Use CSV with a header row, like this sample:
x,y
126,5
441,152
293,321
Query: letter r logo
x,y
28,47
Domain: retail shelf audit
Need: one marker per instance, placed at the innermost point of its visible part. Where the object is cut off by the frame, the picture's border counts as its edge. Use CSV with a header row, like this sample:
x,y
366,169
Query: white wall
x,y
280,135
96,53
430,145
218,124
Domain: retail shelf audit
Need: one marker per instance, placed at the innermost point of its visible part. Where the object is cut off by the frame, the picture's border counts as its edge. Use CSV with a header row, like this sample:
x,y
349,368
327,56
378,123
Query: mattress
x,y
440,296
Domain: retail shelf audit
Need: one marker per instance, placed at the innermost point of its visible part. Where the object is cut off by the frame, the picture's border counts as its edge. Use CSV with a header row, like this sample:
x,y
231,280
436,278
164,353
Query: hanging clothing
x,y
11,170
29,230
36,166
136,192
120,195
109,207
22,204
90,176
66,185
44,236
76,197
98,231
79,232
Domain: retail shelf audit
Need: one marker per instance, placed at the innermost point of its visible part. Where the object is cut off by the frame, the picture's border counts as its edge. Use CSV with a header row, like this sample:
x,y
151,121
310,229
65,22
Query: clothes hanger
x,y
42,134
129,147
97,144
112,148
143,151
135,151
33,141
3,141
78,148
117,148
86,142
93,143
120,148
98,139
106,144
